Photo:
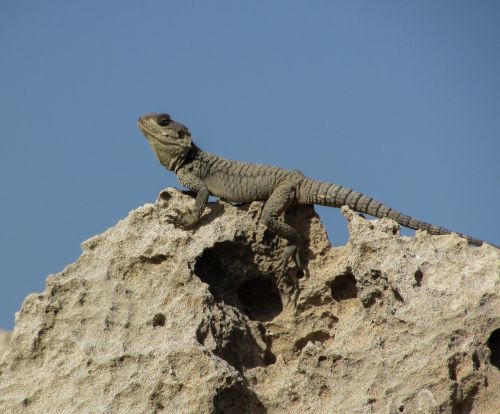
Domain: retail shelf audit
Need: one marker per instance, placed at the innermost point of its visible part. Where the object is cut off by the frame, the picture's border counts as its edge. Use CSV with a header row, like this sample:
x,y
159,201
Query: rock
x,y
4,342
156,319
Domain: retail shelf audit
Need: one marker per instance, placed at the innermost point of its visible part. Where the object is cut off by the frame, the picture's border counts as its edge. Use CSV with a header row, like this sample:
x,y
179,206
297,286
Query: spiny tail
x,y
332,195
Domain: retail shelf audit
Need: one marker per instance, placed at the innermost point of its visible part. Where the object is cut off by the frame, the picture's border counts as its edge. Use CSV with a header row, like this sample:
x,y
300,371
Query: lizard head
x,y
170,140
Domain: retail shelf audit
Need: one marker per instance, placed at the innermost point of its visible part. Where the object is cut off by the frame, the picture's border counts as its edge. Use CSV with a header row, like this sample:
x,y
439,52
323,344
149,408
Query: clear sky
x,y
398,99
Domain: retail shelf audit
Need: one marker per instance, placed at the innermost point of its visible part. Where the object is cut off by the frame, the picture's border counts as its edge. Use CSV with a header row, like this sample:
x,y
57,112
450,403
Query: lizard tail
x,y
333,195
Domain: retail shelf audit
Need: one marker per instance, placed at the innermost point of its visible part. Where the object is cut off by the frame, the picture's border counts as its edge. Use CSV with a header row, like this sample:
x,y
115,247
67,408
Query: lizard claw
x,y
184,219
290,252
173,215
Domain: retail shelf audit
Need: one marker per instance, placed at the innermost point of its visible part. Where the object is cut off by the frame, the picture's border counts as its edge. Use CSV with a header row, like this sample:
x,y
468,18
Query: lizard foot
x,y
290,252
182,218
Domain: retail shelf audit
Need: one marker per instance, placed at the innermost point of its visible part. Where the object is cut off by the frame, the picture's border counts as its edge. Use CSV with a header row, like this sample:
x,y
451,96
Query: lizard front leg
x,y
189,217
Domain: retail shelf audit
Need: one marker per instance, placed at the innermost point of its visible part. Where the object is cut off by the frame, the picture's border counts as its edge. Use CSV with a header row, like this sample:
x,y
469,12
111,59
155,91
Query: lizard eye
x,y
163,120
181,133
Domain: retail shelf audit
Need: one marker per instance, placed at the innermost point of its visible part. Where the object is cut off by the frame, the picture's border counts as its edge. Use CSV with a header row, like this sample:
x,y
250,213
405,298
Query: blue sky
x,y
400,100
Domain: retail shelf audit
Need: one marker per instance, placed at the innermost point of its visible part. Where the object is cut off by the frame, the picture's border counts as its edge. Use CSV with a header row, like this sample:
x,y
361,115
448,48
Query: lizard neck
x,y
173,157
193,154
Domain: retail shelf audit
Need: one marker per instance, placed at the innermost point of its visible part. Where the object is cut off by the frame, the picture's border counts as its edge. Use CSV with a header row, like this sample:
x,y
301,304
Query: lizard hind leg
x,y
281,198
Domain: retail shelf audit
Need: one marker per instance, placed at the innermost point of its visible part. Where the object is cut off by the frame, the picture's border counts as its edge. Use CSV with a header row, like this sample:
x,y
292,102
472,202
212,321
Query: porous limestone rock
x,y
4,342
156,319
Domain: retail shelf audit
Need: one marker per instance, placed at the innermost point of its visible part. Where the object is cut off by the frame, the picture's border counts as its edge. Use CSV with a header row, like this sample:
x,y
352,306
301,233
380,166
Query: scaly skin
x,y
207,174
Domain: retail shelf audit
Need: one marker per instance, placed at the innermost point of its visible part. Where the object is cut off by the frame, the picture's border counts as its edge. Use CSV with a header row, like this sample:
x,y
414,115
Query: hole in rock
x,y
261,299
224,267
233,277
269,357
344,286
317,336
155,259
159,319
494,345
397,295
164,195
237,399
418,275
452,368
371,298
476,363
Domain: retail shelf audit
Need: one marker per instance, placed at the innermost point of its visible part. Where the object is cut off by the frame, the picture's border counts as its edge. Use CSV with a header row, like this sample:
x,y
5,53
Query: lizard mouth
x,y
145,126
151,132
172,134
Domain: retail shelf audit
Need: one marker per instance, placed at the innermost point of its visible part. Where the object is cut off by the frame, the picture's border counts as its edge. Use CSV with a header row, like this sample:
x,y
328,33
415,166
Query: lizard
x,y
207,174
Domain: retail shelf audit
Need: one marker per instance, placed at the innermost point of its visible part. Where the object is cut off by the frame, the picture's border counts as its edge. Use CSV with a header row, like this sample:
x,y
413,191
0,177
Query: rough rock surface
x,y
155,319
4,342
